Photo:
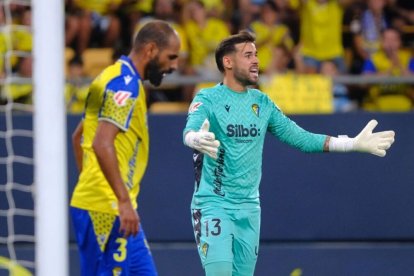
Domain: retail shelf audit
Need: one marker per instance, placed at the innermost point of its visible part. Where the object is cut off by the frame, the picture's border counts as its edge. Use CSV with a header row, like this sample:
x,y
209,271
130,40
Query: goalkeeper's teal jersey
x,y
240,122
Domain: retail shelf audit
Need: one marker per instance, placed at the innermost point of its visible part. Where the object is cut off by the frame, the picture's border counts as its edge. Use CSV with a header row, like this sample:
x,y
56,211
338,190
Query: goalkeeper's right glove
x,y
203,140
366,141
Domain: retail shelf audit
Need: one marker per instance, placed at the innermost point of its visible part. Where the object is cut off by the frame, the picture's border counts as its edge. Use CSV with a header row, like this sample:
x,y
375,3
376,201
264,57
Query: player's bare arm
x,y
105,151
76,143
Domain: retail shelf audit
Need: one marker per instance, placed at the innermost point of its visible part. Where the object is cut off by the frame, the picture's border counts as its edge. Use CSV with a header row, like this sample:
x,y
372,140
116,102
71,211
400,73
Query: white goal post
x,y
51,223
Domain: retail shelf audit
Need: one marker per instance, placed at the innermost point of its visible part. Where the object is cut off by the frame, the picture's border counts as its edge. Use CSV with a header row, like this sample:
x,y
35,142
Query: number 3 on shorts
x,y
122,253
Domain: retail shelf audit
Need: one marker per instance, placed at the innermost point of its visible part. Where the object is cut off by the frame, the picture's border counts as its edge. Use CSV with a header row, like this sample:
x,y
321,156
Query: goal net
x,y
16,162
24,216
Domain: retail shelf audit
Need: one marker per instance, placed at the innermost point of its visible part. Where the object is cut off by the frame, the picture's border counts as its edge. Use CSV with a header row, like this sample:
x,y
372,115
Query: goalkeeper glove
x,y
366,141
203,140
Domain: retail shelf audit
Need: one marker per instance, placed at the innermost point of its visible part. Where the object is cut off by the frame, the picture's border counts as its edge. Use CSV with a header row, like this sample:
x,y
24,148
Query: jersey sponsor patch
x,y
194,107
121,97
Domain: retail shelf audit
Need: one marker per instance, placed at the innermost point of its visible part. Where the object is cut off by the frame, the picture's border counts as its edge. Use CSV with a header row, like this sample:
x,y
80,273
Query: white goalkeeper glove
x,y
203,140
366,141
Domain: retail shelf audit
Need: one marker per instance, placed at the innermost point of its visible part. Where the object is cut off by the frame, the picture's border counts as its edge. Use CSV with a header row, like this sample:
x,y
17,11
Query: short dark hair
x,y
228,46
156,31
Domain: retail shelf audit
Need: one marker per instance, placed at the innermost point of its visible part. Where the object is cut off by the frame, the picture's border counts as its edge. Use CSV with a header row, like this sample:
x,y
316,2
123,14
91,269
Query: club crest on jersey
x,y
117,271
194,107
256,109
121,97
204,249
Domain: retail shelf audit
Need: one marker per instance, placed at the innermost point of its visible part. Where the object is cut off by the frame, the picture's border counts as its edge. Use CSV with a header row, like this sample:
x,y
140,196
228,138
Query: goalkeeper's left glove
x,y
366,141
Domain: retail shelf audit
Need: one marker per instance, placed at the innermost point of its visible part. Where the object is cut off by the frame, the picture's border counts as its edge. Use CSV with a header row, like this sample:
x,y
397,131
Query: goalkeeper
x,y
226,127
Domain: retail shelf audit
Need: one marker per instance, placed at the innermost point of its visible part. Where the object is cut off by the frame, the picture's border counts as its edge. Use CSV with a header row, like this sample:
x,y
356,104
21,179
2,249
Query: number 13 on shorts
x,y
224,235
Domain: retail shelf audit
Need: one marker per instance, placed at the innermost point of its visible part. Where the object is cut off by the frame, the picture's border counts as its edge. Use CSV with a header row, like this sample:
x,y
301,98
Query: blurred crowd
x,y
326,37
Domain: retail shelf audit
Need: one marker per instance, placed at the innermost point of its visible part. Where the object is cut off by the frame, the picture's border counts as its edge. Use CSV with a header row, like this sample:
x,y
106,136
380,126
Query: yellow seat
x,y
168,107
96,59
394,103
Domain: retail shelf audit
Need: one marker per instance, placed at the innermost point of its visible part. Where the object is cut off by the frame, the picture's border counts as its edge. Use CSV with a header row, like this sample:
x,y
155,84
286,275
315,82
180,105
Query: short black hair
x,y
228,46
156,31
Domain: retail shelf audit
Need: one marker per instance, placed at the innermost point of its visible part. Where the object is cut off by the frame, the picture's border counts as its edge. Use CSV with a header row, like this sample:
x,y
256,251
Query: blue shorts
x,y
103,250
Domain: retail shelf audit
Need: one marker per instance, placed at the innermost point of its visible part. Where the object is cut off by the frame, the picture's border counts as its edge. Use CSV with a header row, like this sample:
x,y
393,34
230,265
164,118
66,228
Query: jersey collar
x,y
128,62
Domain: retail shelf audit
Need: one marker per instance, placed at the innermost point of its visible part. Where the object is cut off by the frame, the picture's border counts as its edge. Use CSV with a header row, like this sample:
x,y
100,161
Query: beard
x,y
243,78
153,72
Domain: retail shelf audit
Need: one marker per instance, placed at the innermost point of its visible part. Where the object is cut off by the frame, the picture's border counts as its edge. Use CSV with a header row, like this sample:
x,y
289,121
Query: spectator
x,y
269,34
340,94
285,61
321,33
391,60
3,42
21,92
289,17
164,10
216,8
97,19
131,12
22,34
282,57
204,33
72,23
368,28
77,86
247,12
404,19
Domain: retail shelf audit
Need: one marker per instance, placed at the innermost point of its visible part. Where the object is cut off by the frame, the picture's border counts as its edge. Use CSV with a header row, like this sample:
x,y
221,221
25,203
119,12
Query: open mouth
x,y
167,72
254,71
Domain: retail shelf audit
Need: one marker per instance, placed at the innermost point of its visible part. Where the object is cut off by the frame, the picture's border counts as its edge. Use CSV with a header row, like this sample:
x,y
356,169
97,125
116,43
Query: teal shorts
x,y
228,235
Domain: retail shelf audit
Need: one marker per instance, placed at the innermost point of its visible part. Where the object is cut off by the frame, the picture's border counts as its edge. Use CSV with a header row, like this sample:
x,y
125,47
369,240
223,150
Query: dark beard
x,y
244,80
153,73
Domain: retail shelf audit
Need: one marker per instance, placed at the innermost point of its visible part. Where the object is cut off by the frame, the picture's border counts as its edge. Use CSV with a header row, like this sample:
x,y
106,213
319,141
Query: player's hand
x,y
129,219
203,140
373,142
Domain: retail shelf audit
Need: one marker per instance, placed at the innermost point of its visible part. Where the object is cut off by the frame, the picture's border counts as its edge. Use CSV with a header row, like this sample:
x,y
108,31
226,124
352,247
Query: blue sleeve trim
x,y
124,83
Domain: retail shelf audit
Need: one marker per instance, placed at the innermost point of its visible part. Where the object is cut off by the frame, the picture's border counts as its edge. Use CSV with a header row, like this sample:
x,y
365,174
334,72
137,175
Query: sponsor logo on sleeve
x,y
194,107
121,97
